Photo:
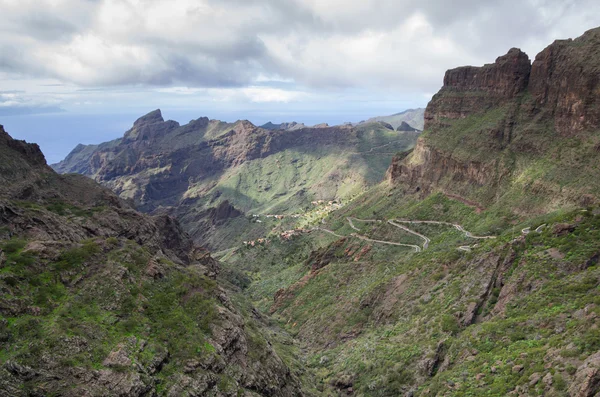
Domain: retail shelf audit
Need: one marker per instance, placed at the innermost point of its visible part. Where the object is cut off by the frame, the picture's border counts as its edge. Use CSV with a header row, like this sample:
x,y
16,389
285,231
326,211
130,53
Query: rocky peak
x,y
243,127
404,126
512,108
469,89
149,127
508,76
30,151
153,117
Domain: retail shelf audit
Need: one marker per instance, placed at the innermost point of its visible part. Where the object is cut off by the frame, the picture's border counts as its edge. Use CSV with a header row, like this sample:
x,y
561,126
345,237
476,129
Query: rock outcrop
x,y
283,126
468,90
491,128
565,79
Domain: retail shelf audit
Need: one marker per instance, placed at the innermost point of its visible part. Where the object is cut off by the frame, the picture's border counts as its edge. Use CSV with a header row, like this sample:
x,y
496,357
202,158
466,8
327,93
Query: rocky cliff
x,y
98,299
513,129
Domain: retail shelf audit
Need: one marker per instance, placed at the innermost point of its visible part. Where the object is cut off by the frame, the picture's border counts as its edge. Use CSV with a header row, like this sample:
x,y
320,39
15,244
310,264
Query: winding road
x,y
416,247
455,225
370,151
426,240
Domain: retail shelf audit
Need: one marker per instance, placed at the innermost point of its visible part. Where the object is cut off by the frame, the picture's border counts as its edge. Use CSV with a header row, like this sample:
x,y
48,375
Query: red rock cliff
x,y
471,89
517,113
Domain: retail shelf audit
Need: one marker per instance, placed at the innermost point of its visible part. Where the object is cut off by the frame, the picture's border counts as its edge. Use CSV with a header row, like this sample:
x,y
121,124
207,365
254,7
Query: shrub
x,y
76,256
450,324
13,246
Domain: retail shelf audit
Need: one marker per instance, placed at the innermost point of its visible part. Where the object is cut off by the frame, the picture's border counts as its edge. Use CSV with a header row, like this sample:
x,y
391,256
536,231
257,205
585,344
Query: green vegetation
x,y
529,167
96,291
387,320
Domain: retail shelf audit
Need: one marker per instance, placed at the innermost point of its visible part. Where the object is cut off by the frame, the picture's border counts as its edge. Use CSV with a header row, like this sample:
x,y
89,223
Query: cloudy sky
x,y
82,70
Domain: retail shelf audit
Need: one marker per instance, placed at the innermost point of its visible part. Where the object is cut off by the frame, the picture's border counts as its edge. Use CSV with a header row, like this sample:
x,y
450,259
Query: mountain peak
x,y
29,151
154,116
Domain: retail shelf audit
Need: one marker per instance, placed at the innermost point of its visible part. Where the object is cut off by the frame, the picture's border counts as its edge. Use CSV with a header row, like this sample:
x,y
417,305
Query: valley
x,y
362,259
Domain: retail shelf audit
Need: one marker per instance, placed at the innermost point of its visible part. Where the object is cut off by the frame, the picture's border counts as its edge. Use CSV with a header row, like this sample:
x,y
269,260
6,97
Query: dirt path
x,y
361,220
397,223
329,231
417,248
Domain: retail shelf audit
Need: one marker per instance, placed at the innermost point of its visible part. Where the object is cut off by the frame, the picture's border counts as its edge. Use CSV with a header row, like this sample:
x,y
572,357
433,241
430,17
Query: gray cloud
x,y
376,44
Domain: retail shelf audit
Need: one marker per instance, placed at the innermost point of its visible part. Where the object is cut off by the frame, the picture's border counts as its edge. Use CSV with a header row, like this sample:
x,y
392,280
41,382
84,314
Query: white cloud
x,y
235,47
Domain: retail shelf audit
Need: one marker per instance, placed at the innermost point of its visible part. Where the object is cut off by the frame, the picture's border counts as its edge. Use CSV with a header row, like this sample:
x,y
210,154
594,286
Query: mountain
x,y
472,270
188,170
98,299
413,117
468,265
283,126
514,134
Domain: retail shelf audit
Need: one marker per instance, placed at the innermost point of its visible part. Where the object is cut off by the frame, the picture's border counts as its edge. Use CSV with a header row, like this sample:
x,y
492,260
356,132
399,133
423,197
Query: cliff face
x,y
98,299
565,79
468,90
513,128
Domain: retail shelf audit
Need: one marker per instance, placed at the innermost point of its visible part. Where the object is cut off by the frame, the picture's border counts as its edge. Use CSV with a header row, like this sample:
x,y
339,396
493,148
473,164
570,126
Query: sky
x,y
82,71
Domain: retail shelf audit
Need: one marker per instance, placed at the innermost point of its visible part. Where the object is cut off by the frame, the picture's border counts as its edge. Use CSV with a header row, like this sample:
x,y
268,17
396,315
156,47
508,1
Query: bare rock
x,y
587,378
534,379
117,358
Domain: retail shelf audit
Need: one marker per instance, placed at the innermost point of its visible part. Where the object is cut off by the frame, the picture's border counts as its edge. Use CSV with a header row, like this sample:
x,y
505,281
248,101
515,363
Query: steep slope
x,y
413,117
97,299
187,170
512,135
471,271
515,314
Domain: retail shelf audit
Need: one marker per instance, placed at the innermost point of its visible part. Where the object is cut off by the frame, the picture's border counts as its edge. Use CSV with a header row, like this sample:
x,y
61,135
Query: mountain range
x,y
190,170
367,260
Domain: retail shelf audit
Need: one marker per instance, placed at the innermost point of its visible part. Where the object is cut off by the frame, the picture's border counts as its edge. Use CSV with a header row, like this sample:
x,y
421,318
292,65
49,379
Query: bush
x,y
76,256
559,382
13,246
450,324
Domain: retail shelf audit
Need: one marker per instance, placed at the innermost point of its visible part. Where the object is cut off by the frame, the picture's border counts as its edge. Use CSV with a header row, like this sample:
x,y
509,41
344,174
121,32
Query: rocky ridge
x,y
189,170
98,299
414,117
283,126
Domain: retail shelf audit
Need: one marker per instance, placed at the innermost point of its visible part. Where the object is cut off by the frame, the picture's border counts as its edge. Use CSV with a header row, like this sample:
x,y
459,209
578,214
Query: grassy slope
x,y
291,179
377,319
288,181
